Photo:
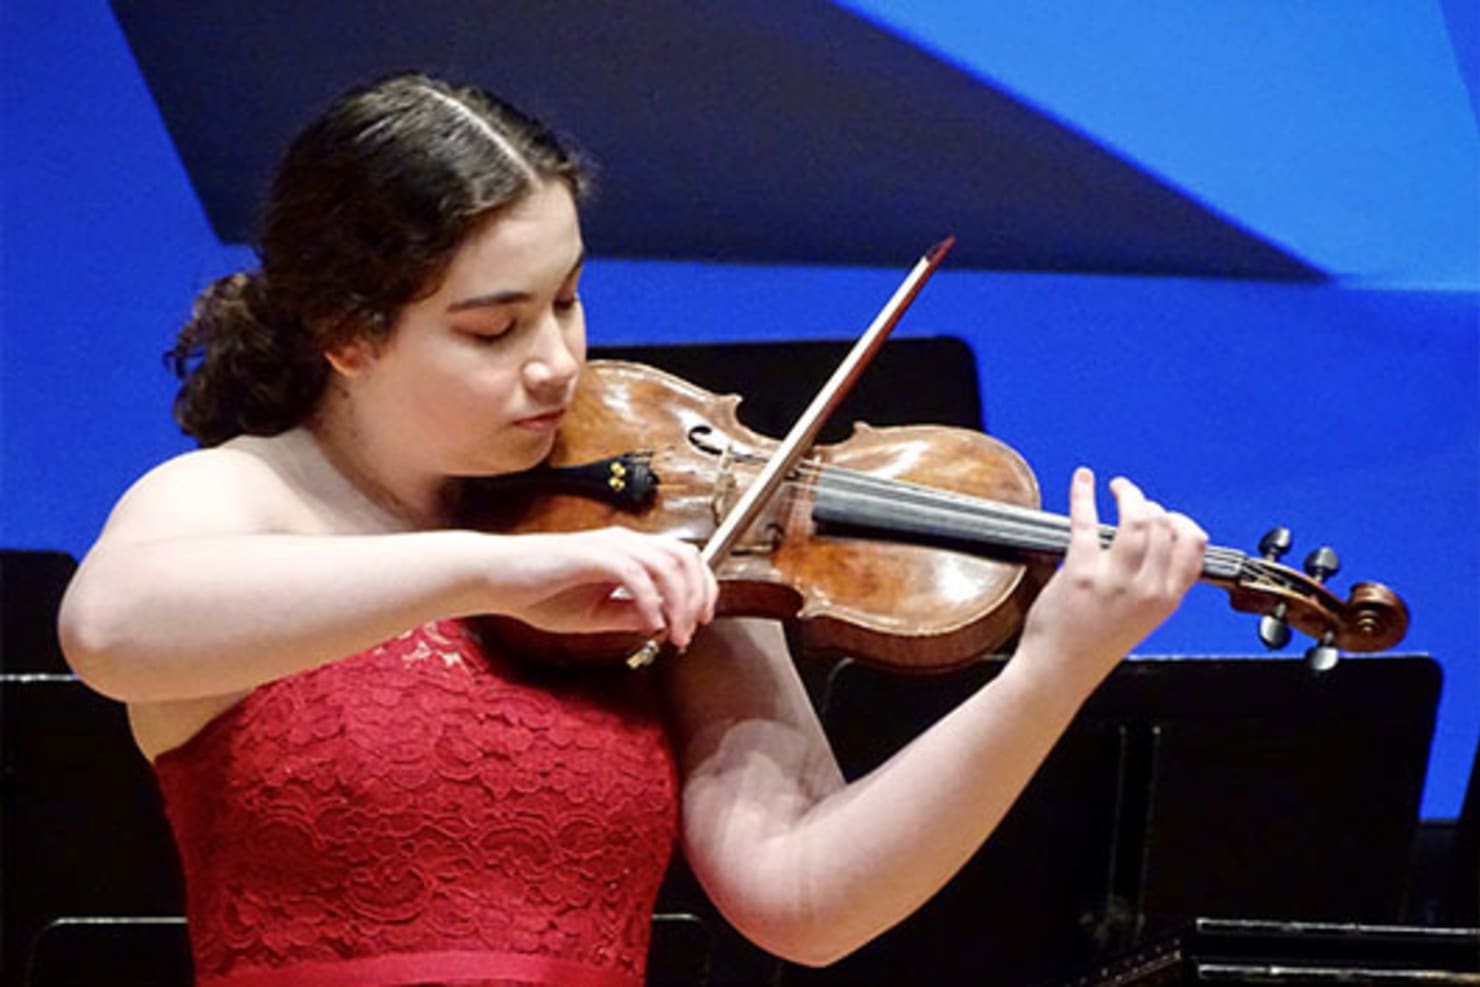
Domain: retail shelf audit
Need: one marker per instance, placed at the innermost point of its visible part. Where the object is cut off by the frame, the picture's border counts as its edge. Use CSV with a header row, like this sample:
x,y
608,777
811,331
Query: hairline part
x,y
500,141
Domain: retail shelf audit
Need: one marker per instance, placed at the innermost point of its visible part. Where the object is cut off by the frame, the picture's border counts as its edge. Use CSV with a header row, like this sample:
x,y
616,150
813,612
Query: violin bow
x,y
804,432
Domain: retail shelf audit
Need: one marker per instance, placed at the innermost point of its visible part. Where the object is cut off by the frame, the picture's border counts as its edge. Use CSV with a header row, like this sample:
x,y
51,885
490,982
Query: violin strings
x,y
863,498
971,516
870,509
868,499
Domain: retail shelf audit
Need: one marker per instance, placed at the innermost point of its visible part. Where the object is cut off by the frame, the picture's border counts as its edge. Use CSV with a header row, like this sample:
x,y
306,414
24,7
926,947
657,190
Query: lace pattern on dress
x,y
424,797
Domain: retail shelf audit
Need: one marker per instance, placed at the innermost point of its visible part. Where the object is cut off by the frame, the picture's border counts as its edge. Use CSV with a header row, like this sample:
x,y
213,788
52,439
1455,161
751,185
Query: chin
x,y
524,456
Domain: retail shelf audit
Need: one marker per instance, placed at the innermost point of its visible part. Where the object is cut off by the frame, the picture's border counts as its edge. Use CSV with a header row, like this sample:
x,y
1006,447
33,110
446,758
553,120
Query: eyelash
x,y
489,338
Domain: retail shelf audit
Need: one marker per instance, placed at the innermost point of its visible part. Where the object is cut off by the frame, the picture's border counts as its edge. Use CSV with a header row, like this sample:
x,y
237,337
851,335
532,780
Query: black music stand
x,y
1459,902
1247,788
84,950
83,832
1240,951
31,586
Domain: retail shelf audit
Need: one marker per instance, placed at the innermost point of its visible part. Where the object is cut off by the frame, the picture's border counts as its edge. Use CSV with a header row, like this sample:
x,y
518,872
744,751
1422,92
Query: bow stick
x,y
804,432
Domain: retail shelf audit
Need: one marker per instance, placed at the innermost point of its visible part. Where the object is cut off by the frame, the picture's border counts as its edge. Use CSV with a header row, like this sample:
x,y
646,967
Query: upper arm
x,y
197,495
208,492
752,755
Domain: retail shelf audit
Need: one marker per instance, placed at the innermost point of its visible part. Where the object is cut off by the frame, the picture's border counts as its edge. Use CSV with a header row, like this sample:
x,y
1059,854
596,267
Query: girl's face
x,y
474,379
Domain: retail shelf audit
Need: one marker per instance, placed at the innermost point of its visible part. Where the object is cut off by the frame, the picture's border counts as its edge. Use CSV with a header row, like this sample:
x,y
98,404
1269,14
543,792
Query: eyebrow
x,y
509,297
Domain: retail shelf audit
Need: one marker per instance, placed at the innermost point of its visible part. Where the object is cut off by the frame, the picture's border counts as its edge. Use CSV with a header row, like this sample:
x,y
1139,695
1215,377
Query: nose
x,y
554,358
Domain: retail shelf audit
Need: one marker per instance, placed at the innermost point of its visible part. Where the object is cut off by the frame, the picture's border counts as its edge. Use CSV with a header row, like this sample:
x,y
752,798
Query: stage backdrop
x,y
1344,408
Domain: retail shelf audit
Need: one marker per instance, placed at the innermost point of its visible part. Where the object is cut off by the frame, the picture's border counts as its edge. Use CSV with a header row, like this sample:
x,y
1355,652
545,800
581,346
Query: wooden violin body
x,y
899,604
915,547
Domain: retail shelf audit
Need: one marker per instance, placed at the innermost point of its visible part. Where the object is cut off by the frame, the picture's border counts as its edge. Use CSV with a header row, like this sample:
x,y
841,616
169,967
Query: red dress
x,y
424,813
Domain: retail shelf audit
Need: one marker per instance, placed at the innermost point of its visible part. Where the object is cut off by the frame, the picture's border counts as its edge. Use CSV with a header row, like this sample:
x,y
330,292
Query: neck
x,y
395,497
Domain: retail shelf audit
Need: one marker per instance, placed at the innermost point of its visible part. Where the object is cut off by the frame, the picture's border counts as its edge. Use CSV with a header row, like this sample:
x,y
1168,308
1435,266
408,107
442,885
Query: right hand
x,y
609,579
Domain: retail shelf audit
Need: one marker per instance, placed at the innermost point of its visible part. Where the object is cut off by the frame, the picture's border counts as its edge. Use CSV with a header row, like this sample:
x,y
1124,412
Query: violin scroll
x,y
1371,618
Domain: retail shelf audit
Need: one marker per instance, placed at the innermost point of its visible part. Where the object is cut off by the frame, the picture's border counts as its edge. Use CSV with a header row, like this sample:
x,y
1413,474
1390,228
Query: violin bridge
x,y
726,490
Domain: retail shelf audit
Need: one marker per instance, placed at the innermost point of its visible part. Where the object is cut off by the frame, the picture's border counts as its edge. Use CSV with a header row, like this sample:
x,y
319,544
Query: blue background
x,y
1348,411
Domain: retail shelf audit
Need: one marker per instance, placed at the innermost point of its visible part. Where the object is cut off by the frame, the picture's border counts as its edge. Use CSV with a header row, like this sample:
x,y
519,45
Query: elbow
x,y
91,641
808,937
815,955
792,907
810,944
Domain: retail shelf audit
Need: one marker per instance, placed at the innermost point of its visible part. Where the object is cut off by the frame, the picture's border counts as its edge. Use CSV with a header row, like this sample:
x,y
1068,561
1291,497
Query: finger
x,y
697,578
711,592
1084,516
691,590
1133,528
644,595
619,612
1188,552
704,583
621,558
1160,539
663,567
682,578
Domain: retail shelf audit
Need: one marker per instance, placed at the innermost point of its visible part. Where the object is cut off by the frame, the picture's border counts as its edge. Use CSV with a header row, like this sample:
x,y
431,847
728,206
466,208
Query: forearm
x,y
872,852
188,617
910,825
812,868
858,858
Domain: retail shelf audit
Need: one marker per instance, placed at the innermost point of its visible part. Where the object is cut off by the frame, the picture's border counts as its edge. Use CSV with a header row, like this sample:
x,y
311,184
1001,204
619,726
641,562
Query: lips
x,y
544,420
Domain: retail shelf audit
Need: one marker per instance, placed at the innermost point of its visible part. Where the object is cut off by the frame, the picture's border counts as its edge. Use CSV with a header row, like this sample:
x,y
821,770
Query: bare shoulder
x,y
241,487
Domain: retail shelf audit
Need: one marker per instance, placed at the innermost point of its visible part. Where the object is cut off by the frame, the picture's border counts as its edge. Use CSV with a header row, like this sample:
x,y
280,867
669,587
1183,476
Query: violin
x,y
916,547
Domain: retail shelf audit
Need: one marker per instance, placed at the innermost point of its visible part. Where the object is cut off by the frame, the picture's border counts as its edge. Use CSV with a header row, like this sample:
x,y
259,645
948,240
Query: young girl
x,y
364,789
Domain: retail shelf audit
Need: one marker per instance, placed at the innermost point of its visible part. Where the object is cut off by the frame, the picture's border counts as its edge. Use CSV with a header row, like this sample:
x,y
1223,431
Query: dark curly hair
x,y
366,210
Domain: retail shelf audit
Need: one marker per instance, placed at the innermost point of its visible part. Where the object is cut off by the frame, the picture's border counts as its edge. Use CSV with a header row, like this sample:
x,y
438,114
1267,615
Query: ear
x,y
353,358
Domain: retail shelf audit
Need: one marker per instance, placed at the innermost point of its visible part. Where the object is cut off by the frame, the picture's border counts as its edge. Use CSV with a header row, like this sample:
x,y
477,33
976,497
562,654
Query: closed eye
x,y
488,338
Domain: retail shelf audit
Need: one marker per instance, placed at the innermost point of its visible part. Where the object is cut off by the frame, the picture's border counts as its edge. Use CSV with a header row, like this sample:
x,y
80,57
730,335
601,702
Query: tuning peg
x,y
1275,543
1322,564
1274,632
1322,657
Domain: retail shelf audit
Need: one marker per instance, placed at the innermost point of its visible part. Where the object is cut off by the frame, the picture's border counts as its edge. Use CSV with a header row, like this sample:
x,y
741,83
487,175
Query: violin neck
x,y
848,502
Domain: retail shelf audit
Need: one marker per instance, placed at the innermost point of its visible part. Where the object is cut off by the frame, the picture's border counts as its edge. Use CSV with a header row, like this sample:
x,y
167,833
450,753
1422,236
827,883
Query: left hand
x,y
1104,601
